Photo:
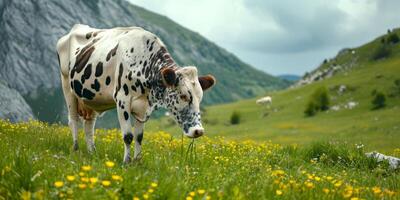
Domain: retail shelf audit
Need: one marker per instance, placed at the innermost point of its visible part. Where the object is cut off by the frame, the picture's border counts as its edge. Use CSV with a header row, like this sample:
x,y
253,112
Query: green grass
x,y
284,122
38,158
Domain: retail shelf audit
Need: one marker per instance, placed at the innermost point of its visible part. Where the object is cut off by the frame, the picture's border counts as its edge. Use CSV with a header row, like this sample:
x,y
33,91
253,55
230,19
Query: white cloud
x,y
282,36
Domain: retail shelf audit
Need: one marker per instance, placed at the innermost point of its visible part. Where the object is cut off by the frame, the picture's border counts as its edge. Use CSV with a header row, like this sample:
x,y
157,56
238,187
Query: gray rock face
x,y
29,31
13,106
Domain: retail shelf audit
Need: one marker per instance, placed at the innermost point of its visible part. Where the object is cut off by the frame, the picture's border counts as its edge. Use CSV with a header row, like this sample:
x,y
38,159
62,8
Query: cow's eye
x,y
184,97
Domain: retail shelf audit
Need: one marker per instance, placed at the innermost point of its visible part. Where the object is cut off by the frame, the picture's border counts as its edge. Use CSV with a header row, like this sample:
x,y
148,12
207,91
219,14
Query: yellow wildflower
x,y
85,179
338,184
189,198
26,195
106,183
110,164
279,192
86,168
376,190
93,179
81,174
192,194
154,184
116,177
58,184
309,184
201,191
278,172
82,186
145,196
150,190
354,198
70,178
326,190
136,198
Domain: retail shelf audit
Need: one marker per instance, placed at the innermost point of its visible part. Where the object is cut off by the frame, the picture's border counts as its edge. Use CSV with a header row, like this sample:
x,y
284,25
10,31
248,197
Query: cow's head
x,y
183,96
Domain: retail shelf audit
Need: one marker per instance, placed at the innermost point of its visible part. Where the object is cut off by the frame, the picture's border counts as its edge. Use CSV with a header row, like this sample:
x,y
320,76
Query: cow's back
x,y
90,59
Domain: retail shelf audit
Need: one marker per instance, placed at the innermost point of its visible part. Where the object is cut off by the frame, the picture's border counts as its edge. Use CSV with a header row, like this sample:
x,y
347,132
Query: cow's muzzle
x,y
195,132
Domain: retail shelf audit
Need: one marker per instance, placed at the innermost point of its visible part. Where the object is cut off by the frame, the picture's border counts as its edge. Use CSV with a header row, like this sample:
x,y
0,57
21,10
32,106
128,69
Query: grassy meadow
x,y
38,162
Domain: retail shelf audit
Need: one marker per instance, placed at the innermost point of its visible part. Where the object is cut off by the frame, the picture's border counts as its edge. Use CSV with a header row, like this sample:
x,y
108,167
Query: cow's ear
x,y
168,76
207,81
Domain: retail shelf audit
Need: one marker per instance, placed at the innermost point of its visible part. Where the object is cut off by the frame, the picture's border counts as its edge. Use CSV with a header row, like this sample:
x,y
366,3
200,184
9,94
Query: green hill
x,y
360,72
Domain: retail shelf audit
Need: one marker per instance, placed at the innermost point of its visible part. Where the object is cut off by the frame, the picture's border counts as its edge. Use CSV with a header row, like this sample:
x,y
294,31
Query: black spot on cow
x,y
88,35
139,138
83,57
121,68
108,80
151,46
145,63
96,85
147,42
78,88
72,85
99,69
140,62
87,94
86,74
138,73
58,57
126,115
128,138
95,33
132,50
139,84
133,88
126,89
112,52
130,75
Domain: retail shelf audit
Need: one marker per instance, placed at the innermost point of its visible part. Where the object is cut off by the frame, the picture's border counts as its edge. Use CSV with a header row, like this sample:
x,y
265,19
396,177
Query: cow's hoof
x,y
127,160
75,147
92,150
137,158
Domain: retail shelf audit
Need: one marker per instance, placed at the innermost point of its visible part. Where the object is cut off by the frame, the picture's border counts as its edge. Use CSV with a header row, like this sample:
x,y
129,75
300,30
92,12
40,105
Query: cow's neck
x,y
157,89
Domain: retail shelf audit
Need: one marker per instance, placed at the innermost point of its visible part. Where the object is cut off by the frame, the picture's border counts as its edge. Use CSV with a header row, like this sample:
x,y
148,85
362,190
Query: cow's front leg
x,y
126,127
138,133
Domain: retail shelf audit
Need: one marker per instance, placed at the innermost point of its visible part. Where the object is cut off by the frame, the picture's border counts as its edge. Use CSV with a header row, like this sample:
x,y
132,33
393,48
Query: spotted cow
x,y
128,68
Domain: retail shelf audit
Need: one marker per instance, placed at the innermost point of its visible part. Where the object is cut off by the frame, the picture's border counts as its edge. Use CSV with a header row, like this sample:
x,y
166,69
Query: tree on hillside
x,y
393,38
382,51
319,101
378,101
235,118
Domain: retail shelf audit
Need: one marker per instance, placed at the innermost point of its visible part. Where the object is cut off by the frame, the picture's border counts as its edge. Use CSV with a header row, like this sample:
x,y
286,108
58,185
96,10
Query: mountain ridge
x,y
30,30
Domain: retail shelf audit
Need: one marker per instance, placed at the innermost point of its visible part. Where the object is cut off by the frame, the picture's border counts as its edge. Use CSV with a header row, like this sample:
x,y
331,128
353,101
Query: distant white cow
x,y
264,101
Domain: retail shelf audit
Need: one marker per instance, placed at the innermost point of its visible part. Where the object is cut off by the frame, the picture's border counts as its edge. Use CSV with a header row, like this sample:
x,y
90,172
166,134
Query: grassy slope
x,y
378,130
35,156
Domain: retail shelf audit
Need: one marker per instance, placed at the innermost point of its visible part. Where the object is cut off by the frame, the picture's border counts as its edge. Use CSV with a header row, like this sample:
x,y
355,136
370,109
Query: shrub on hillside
x,y
382,51
393,38
311,109
319,101
395,90
378,101
235,118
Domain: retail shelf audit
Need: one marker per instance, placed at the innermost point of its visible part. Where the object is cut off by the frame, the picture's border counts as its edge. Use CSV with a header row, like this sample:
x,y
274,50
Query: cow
x,y
264,100
130,69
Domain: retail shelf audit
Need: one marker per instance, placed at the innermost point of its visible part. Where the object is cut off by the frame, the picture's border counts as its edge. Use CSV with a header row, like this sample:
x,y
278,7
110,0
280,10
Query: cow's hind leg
x,y
124,117
72,106
89,132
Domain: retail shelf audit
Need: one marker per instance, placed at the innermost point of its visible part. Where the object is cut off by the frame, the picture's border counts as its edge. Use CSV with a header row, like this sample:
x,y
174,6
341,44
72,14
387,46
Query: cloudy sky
x,y
282,37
